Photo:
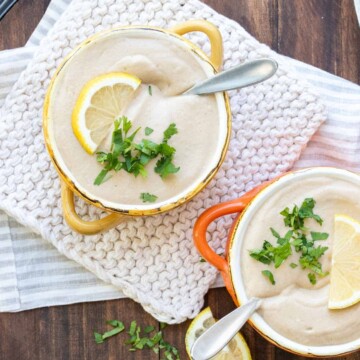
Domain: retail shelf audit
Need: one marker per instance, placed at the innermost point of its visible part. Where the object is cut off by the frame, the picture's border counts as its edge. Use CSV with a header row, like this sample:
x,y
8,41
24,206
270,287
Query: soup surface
x,y
169,69
293,306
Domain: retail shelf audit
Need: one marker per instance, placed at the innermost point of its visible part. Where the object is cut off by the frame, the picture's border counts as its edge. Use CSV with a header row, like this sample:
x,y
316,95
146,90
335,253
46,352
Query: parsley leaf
x,y
148,131
126,124
295,218
149,329
277,254
165,167
269,275
146,197
116,323
118,328
281,253
98,338
292,219
166,150
100,178
306,210
276,234
312,278
318,236
262,256
310,259
169,132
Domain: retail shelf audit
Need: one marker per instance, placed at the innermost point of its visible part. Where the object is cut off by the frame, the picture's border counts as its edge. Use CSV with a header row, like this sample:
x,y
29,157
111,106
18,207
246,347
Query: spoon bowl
x,y
250,73
214,339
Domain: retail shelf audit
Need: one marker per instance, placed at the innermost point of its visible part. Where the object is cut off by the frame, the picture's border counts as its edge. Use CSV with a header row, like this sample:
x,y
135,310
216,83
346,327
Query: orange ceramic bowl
x,y
230,265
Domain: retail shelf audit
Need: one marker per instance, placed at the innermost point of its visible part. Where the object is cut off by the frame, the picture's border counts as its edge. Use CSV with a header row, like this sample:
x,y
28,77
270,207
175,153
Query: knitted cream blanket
x,y
151,259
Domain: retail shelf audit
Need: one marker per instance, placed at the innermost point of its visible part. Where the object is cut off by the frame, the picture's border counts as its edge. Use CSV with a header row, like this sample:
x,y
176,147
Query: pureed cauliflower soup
x,y
296,305
166,70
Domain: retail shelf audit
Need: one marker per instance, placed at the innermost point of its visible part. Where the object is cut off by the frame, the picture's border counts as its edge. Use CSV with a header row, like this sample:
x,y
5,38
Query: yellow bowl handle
x,y
80,225
212,33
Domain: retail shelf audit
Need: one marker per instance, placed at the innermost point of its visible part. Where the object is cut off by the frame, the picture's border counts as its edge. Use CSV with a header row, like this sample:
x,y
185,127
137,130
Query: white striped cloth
x,y
33,274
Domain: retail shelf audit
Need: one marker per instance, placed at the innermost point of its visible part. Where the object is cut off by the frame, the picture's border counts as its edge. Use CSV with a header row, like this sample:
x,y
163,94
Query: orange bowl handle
x,y
212,32
208,216
80,225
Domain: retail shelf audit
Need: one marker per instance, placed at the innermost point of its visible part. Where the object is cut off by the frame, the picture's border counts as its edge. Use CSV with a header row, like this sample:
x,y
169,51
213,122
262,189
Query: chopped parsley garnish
x,y
126,155
295,219
150,90
297,238
140,340
146,197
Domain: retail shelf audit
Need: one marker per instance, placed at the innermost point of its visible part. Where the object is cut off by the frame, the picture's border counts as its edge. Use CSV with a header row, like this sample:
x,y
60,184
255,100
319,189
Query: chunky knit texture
x,y
152,259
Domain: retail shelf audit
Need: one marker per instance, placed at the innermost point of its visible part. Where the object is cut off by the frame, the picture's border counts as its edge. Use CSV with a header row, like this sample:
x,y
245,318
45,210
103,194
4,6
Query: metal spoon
x,y
243,75
217,336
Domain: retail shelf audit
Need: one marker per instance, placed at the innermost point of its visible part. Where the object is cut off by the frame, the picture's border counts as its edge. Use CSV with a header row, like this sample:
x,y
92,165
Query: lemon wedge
x,y
345,269
236,349
101,101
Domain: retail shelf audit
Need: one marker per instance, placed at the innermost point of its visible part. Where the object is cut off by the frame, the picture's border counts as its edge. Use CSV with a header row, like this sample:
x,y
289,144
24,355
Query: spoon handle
x,y
218,335
239,76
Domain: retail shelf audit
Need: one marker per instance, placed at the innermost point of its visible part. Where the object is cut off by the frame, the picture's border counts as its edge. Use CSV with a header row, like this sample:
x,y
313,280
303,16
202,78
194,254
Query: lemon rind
x,y
84,101
355,298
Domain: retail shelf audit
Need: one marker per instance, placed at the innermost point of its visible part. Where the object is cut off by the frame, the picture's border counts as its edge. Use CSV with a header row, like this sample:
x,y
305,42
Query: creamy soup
x,y
169,69
293,306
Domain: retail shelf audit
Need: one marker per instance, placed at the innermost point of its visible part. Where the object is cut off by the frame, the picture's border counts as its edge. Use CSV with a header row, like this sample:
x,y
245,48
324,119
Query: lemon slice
x,y
236,349
101,101
345,270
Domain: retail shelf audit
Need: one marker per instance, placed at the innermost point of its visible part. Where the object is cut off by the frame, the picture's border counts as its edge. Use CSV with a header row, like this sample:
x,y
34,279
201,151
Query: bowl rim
x,y
148,209
235,246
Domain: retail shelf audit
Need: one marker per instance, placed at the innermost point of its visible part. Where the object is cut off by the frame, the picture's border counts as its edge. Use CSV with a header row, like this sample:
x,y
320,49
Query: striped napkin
x,y
43,277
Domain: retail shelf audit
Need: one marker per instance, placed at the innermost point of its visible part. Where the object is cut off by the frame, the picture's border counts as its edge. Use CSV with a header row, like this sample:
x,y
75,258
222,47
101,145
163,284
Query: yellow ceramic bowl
x,y
70,185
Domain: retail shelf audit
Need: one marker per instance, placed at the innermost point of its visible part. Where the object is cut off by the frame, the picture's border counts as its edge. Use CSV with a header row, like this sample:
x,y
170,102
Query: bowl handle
x,y
80,225
206,218
212,33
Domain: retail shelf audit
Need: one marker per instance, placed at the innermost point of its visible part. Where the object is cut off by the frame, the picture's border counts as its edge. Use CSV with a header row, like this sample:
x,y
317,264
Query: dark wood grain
x,y
19,23
66,332
259,17
323,33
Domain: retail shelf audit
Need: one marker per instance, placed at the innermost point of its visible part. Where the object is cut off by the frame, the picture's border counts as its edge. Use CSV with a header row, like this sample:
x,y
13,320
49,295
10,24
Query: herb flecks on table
x,y
298,238
149,338
118,327
131,157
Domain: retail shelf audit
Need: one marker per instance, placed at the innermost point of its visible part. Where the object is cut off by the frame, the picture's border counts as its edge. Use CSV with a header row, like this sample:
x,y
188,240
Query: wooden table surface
x,y
324,33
